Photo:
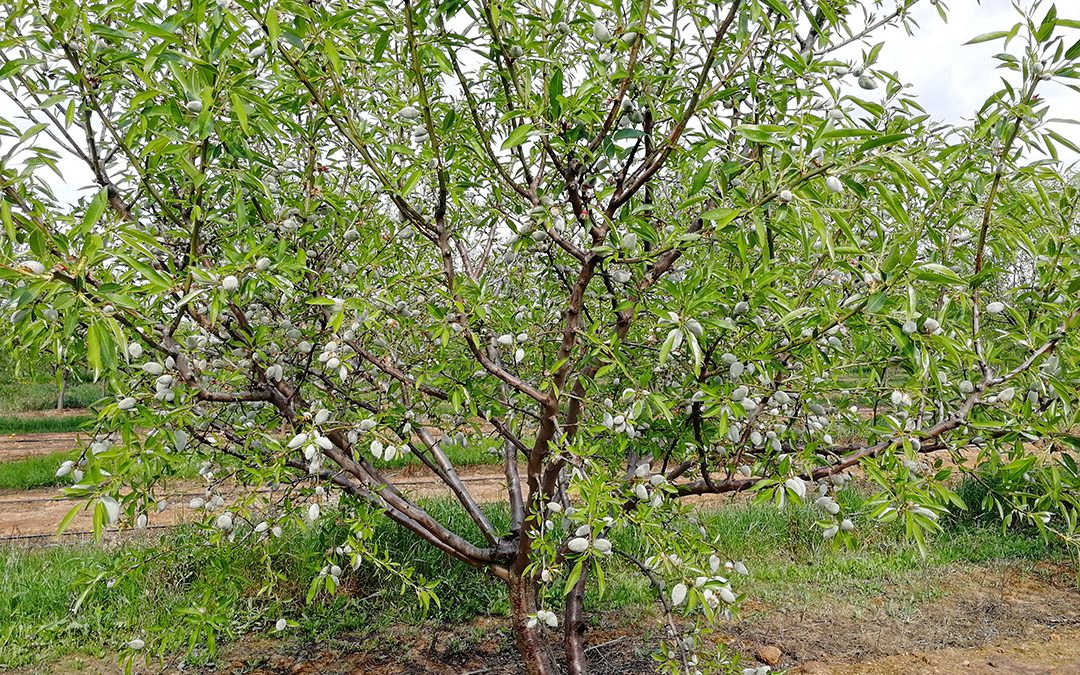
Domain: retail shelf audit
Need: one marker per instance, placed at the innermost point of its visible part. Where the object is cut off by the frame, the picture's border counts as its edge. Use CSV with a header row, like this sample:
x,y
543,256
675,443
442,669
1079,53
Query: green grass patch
x,y
44,425
472,455
26,396
35,472
183,582
40,472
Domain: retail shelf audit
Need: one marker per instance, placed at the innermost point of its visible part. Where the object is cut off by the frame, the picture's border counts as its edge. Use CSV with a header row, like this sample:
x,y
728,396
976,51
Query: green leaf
x,y
66,521
94,211
882,140
987,37
797,313
332,55
518,136
148,272
1073,52
876,302
9,223
665,349
93,347
700,177
936,273
760,133
720,217
575,574
555,90
239,111
272,28
892,259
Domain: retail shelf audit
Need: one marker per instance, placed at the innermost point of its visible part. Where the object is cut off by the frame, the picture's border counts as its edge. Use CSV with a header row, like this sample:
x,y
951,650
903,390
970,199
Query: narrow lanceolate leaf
x,y
332,55
239,111
937,274
988,37
94,211
518,136
69,517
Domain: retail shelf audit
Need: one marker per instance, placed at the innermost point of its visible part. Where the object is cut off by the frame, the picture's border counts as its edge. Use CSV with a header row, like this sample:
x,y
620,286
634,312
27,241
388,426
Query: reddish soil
x,y
39,512
14,447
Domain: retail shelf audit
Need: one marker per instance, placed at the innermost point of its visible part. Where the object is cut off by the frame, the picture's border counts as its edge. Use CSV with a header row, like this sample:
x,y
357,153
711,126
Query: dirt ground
x,y
14,447
39,511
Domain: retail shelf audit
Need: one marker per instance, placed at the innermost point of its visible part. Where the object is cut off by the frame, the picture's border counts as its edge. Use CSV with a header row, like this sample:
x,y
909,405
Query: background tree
x,y
646,250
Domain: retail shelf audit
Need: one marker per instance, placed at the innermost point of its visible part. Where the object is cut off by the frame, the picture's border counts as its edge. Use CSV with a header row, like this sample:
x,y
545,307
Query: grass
x,y
245,588
40,471
35,472
26,396
43,425
486,451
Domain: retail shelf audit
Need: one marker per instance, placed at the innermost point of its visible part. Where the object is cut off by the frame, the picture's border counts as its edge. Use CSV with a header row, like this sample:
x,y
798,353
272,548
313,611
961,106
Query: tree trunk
x,y
574,624
533,645
62,382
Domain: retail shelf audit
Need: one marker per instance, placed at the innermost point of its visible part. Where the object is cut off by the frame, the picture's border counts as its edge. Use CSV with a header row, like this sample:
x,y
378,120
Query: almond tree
x,y
643,251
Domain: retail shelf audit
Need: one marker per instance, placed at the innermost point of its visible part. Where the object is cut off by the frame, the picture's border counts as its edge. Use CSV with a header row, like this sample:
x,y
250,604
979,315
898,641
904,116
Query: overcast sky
x,y
950,80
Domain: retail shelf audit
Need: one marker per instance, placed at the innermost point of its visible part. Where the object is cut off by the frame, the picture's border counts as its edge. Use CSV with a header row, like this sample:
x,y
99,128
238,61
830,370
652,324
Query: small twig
x,y
605,644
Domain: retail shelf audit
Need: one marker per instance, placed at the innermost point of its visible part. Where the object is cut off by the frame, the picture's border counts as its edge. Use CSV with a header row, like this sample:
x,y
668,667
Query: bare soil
x,y
39,511
14,447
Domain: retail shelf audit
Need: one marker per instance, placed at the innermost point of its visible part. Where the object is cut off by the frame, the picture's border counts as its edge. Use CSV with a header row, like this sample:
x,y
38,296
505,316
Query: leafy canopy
x,y
639,251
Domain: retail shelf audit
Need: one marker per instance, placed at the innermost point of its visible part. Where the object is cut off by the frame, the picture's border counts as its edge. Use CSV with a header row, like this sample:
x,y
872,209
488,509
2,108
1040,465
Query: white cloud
x,y
952,80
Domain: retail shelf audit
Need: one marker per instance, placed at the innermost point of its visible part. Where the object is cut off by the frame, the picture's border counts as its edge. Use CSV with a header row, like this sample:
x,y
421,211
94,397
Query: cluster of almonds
x,y
410,115
334,355
332,571
645,485
931,326
545,617
583,540
511,340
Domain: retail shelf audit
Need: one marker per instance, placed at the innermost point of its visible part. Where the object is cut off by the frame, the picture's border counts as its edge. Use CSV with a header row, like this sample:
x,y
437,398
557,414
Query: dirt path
x,y
1058,653
1019,618
14,447
37,513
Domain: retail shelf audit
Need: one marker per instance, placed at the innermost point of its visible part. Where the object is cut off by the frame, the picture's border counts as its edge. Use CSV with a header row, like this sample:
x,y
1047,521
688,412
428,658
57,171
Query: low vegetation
x,y
42,425
140,589
17,396
34,472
